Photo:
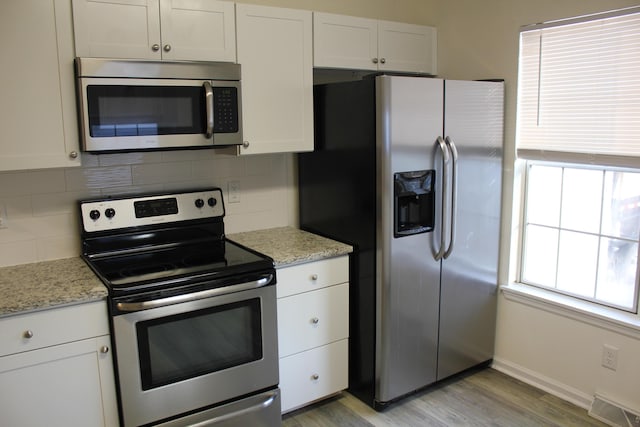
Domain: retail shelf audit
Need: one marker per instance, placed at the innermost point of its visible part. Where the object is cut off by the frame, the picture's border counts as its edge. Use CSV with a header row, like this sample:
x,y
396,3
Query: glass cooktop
x,y
193,261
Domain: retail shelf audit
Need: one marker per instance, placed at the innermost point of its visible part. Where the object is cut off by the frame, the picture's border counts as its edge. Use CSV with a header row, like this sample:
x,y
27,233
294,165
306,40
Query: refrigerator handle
x,y
454,193
445,190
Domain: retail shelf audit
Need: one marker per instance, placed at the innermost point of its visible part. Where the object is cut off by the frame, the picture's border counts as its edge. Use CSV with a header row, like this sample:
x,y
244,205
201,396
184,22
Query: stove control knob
x,y
212,201
110,213
94,215
199,203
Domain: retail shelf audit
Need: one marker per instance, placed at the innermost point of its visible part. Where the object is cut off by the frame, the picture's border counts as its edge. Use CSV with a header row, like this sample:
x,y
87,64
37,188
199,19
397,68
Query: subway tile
x,y
136,158
20,252
59,203
57,247
23,183
157,173
97,178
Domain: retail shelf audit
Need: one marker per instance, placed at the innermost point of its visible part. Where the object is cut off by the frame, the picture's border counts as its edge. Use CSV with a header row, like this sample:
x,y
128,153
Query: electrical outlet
x,y
609,357
233,190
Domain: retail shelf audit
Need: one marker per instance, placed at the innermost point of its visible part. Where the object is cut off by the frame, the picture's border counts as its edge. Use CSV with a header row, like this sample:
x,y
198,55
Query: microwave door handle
x,y
454,193
208,97
445,191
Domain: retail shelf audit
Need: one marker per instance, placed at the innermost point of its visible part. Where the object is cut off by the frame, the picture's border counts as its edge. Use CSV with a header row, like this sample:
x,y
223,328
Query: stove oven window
x,y
188,345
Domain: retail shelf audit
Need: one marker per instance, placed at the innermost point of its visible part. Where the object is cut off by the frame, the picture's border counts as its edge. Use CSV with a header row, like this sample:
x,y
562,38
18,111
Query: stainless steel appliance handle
x,y
268,401
208,98
454,193
176,299
445,190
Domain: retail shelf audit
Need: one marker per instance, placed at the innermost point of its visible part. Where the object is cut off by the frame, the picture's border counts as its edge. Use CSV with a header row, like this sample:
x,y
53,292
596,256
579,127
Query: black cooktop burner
x,y
181,262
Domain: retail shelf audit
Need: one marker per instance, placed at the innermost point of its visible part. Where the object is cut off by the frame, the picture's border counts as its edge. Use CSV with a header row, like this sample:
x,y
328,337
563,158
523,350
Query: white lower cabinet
x,y
56,368
313,330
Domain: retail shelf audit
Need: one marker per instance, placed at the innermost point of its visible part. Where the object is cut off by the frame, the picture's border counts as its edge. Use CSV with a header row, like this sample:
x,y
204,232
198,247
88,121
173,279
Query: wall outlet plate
x,y
609,357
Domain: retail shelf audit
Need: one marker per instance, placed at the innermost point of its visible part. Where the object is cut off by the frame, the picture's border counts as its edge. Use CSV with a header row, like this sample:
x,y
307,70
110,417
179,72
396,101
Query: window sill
x,y
603,317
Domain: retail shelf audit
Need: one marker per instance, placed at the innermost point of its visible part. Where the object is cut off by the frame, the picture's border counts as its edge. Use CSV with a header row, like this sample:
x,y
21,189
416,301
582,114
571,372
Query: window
x,y
579,133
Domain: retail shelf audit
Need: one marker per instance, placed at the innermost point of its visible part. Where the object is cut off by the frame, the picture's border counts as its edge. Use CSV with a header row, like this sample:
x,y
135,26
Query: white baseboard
x,y
542,382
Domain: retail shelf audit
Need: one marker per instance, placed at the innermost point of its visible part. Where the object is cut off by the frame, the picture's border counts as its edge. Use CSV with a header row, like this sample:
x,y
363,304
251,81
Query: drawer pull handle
x,y
315,320
104,349
315,377
314,277
27,334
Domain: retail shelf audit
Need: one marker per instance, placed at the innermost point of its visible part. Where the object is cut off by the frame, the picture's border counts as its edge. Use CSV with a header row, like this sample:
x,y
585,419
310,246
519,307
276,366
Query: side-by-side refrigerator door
x,y
409,118
474,126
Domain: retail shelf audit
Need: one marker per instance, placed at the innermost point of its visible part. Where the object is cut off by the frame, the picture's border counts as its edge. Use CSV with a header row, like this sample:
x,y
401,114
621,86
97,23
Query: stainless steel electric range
x,y
193,314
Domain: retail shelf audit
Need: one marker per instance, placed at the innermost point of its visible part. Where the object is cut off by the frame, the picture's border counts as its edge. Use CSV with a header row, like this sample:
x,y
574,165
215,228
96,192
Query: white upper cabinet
x,y
37,107
342,41
275,52
199,30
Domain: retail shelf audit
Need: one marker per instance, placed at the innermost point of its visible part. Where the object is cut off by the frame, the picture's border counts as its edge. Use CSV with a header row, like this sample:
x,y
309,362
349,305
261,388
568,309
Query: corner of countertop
x,y
290,245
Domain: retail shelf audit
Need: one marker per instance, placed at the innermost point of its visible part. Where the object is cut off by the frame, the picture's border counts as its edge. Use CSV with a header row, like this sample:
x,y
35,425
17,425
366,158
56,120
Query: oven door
x,y
192,355
126,114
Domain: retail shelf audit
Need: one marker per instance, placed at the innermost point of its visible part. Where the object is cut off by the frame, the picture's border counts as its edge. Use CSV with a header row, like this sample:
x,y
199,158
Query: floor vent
x,y
608,412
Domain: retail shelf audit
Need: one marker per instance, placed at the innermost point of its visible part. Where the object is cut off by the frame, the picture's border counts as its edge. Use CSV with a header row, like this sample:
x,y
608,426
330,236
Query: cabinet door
x,y
37,108
202,30
341,41
274,50
406,47
64,385
117,28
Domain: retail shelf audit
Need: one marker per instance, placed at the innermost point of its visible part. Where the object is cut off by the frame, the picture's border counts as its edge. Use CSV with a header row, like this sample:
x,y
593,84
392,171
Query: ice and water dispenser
x,y
414,202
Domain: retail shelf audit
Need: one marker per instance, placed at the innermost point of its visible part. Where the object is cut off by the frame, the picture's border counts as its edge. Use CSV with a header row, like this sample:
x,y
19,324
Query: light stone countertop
x,y
288,245
48,284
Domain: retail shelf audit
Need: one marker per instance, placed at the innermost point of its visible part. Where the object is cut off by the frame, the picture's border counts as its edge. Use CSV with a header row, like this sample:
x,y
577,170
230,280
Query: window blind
x,y
579,94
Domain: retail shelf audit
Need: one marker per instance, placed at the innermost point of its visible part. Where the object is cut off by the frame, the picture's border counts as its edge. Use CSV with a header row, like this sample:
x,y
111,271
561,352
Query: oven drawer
x,y
31,331
313,275
313,319
314,374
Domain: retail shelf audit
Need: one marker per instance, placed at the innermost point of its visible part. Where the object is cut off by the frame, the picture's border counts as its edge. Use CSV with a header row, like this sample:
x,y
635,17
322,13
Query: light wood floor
x,y
484,398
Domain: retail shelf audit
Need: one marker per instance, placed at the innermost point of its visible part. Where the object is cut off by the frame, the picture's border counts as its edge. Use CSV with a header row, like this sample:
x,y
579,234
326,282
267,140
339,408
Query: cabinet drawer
x,y
45,328
312,275
313,319
313,374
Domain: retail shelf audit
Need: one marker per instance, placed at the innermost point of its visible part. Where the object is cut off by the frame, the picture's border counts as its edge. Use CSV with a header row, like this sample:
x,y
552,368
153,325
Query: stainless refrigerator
x,y
408,171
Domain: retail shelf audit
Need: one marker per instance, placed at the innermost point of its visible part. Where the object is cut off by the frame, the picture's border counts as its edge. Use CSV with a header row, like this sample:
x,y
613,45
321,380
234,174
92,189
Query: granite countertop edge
x,y
289,246
44,285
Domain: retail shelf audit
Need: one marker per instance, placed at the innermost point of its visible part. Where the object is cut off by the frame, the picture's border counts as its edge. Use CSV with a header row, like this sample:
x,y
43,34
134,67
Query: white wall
x,y
479,39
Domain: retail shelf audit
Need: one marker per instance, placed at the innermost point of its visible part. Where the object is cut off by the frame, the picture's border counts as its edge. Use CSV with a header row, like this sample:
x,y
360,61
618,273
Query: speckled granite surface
x,y
288,245
47,284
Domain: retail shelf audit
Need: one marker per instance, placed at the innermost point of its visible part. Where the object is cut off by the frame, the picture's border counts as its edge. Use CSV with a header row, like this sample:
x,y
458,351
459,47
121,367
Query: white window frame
x,y
570,160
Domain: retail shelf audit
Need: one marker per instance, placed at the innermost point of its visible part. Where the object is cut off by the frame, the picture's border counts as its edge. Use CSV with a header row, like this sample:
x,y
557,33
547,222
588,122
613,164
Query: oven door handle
x,y
177,299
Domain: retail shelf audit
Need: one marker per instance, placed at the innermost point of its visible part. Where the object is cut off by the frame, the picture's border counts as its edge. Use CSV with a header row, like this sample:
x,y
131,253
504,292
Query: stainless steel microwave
x,y
136,105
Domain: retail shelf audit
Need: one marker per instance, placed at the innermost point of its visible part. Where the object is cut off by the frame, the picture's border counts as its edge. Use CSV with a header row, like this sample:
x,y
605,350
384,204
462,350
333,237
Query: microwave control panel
x,y
225,108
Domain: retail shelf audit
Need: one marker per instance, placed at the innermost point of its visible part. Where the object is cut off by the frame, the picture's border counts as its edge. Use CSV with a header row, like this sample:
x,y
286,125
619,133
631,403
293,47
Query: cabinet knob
x,y
375,60
315,377
104,349
167,47
245,144
155,47
27,334
383,61
314,277
73,154
315,320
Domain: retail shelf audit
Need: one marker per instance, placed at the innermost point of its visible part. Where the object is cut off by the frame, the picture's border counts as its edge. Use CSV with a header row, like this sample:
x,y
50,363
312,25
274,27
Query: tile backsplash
x,y
39,207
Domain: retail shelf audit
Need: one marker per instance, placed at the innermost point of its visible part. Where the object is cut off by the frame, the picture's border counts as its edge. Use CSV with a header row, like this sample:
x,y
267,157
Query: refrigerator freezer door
x,y
409,119
473,121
